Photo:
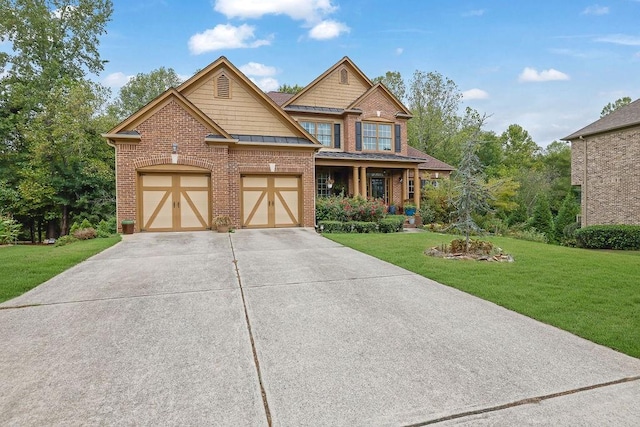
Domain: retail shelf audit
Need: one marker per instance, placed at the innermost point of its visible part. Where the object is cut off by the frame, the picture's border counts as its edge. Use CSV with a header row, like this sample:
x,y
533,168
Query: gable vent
x,y
222,87
344,77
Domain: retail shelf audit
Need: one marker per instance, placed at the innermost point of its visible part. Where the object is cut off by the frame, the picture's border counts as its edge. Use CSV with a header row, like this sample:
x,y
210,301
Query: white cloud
x,y
475,94
620,39
257,69
399,51
596,9
266,84
225,36
328,29
299,10
118,79
532,75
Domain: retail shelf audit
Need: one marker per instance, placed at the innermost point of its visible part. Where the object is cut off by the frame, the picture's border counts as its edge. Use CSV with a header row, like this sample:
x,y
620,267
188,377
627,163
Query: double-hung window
x,y
321,130
376,136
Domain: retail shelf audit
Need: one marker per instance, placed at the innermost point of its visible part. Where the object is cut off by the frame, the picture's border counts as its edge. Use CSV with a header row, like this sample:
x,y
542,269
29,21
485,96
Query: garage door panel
x,y
157,210
271,201
194,207
255,208
286,208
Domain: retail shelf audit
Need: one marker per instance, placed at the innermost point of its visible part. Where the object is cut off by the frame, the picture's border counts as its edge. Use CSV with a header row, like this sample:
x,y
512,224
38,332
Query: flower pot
x,y
222,229
127,227
392,210
409,211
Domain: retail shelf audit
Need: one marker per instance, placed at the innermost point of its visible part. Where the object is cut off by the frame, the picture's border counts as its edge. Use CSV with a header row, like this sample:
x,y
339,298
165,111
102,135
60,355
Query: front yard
x,y
593,294
23,267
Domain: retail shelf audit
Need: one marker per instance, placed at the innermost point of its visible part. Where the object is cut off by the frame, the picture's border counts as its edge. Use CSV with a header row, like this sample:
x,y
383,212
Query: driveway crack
x,y
253,343
527,401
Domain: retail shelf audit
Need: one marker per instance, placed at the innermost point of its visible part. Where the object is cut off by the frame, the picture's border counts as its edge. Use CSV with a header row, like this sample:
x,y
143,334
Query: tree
x,y
556,160
566,215
542,219
142,89
520,151
434,101
611,107
394,82
472,195
285,88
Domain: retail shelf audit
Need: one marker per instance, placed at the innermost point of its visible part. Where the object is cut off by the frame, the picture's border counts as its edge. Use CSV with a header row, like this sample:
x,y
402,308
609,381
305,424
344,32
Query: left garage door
x,y
175,202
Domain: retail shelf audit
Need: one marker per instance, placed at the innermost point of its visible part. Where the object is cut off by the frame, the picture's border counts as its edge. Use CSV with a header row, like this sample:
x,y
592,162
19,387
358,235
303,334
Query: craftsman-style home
x,y
218,145
605,156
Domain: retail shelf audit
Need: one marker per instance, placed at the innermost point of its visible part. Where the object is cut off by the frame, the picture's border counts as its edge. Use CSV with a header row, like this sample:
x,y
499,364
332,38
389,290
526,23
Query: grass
x,y
24,267
593,294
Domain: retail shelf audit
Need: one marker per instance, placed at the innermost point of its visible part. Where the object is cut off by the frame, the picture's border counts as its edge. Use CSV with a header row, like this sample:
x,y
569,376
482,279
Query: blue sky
x,y
547,65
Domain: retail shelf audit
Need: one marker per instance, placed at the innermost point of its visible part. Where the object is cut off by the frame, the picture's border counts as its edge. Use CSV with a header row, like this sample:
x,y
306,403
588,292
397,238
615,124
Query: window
x,y
376,136
322,132
321,184
223,87
410,187
344,77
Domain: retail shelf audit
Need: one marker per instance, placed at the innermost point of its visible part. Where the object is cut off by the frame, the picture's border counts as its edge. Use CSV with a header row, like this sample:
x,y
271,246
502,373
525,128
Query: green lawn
x,y
593,294
24,267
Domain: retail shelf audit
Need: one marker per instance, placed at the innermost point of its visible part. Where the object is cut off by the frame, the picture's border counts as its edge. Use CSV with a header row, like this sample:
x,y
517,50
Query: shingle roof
x,y
365,156
623,117
279,97
431,163
310,108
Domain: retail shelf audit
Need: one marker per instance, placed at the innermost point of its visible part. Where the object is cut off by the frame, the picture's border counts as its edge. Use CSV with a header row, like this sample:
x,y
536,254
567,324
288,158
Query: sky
x,y
549,66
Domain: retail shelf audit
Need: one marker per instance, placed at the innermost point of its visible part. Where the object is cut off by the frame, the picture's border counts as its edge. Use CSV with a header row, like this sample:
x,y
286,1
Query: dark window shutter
x,y
336,135
358,136
398,142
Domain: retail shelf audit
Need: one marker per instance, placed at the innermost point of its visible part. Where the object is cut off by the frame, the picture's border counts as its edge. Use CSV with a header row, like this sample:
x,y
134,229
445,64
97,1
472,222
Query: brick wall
x,y
172,124
611,185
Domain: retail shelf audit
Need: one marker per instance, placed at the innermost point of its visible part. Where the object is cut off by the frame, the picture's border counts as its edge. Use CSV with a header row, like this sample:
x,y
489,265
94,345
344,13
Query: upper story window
x,y
223,87
376,136
321,130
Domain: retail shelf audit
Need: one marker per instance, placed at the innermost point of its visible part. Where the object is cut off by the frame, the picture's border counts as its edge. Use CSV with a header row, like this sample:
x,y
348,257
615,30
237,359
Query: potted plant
x,y
392,208
222,223
409,208
127,226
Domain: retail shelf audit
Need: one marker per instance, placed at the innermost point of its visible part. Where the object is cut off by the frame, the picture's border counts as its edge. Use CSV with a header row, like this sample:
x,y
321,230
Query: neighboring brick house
x,y
363,131
605,163
218,145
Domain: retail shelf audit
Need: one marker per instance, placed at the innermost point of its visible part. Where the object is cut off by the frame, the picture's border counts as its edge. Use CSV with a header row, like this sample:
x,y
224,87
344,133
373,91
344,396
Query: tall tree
x,y
520,151
566,215
542,219
285,88
394,82
434,101
143,88
556,160
613,106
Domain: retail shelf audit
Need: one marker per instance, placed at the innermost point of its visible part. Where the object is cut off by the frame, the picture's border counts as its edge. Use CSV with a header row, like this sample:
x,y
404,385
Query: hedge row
x,y
390,224
609,237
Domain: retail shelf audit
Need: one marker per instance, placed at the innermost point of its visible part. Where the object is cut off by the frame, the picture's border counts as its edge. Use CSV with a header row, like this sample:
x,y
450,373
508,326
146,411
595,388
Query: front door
x,y
174,202
270,201
378,188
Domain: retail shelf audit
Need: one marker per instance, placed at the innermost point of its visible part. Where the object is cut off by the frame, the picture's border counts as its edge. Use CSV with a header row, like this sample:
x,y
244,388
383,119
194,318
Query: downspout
x,y
115,148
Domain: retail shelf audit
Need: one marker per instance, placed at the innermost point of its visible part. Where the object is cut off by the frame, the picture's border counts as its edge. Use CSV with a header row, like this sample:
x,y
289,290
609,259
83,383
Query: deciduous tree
x,y
613,106
143,88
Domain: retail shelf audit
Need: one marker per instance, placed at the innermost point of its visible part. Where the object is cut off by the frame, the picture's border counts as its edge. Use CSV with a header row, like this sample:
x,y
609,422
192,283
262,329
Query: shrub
x,y
65,240
542,219
328,226
391,224
530,234
349,209
475,246
9,230
107,227
361,227
609,237
566,216
85,233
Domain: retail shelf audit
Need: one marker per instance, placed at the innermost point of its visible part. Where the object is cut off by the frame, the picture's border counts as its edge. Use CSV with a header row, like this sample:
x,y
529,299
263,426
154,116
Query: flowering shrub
x,y
349,209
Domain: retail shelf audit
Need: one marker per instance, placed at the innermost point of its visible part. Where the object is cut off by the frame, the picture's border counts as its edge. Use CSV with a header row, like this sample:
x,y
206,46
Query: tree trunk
x,y
65,220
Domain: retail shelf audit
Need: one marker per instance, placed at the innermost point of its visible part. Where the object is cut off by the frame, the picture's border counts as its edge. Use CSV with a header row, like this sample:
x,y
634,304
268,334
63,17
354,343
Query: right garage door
x,y
271,201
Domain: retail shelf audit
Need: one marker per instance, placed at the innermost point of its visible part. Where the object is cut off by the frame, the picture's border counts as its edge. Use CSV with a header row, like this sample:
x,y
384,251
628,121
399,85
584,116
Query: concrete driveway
x,y
288,328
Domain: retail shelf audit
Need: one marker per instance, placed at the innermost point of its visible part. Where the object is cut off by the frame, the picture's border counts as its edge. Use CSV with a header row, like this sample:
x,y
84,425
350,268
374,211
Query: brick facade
x,y
606,167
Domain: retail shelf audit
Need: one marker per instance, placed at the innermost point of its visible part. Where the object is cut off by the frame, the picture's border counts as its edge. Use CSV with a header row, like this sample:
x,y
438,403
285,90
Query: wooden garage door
x,y
174,202
271,201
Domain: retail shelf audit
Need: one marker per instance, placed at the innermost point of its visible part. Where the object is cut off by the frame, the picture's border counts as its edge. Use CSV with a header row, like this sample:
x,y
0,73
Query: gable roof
x,y
431,163
310,86
279,97
125,128
623,117
379,87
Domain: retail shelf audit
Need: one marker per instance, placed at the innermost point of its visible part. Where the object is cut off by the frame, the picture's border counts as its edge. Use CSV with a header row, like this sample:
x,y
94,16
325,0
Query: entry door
x,y
173,202
378,188
270,201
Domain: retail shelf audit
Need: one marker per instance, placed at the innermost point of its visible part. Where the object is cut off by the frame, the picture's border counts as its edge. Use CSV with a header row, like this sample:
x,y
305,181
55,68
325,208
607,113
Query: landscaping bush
x,y
361,227
65,240
328,226
80,225
85,233
349,209
530,234
107,227
9,230
391,224
609,237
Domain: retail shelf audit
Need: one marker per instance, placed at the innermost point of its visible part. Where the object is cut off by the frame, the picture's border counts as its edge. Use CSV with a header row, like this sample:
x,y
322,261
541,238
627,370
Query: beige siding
x,y
329,92
242,113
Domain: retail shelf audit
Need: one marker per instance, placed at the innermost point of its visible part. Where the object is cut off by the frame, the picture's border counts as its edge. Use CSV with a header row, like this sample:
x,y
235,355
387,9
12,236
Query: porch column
x,y
416,187
355,181
363,181
405,184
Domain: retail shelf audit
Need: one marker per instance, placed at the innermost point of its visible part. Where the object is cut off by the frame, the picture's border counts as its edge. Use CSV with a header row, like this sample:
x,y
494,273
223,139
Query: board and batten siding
x,y
242,113
329,92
